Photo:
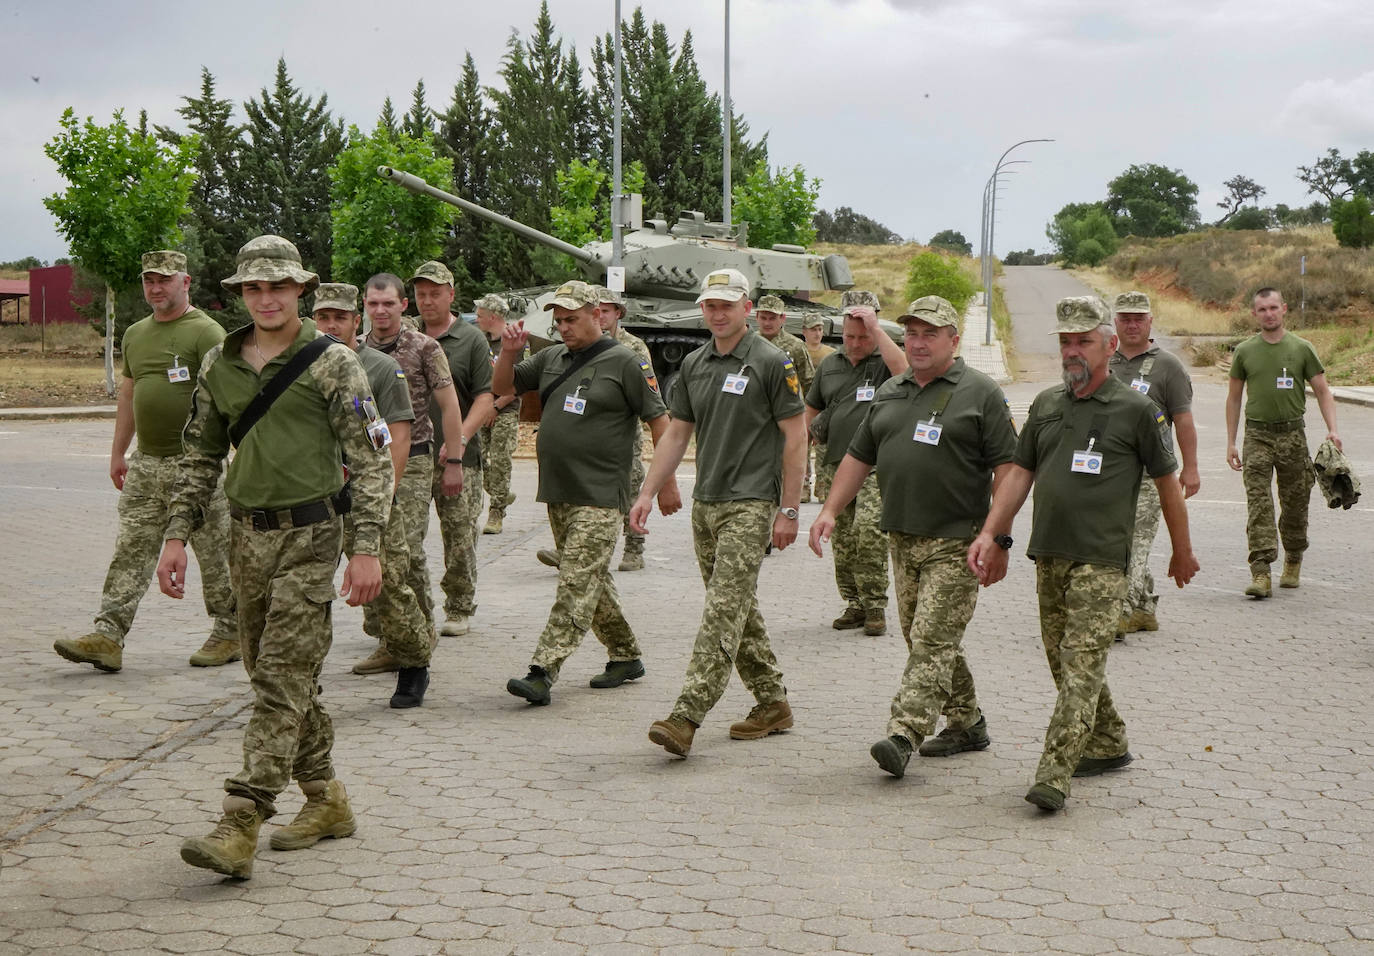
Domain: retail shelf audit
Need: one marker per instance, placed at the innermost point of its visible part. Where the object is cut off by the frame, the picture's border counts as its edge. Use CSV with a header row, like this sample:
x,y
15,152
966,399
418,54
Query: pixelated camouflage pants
x,y
936,594
412,501
822,478
634,541
1268,455
284,581
1140,583
499,441
142,519
859,547
586,598
395,616
730,537
459,526
1080,605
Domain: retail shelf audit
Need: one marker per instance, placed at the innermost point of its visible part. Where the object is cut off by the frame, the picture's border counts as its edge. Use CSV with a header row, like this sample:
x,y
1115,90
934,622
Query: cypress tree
x,y
464,136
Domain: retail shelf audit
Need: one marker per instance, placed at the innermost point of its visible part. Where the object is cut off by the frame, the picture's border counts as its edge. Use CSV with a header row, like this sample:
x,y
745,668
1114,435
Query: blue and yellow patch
x,y
1159,419
649,376
792,381
400,374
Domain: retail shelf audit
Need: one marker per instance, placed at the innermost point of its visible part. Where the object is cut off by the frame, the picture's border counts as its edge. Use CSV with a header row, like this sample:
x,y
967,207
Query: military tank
x,y
664,267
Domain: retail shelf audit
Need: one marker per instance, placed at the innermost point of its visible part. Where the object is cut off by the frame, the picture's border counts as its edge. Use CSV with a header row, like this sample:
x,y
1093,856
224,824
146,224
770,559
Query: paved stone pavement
x,y
488,826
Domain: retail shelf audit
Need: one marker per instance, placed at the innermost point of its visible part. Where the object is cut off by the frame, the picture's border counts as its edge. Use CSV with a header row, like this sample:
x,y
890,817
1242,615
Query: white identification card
x,y
928,433
178,372
735,384
864,393
1285,381
574,404
1141,386
1087,463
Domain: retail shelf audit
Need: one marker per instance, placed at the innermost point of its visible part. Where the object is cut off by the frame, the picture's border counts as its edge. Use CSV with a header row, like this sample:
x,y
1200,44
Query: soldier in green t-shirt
x,y
162,356
1273,368
1084,447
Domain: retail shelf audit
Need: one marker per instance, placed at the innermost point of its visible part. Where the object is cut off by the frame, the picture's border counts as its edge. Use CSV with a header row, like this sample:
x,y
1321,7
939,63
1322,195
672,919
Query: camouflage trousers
x,y
1079,608
395,616
499,441
412,501
586,598
1140,583
284,581
634,541
859,547
730,537
142,519
822,478
1267,455
460,526
936,594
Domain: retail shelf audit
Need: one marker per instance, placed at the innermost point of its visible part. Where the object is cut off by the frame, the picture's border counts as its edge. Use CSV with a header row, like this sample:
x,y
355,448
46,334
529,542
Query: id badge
x,y
735,384
1086,463
379,434
928,433
178,372
1141,386
864,393
1285,382
574,405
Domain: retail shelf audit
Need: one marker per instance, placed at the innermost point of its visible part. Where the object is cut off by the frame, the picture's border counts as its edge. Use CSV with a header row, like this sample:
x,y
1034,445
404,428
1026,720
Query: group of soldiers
x,y
341,445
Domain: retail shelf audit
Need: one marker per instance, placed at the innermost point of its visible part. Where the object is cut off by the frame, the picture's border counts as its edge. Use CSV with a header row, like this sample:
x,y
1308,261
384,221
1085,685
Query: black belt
x,y
297,517
1293,426
420,448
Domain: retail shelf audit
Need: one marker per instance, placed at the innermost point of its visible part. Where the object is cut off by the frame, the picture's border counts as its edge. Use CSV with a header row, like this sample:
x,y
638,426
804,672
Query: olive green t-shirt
x,y
739,444
1160,377
835,390
389,388
1261,365
587,427
154,354
939,490
1090,516
470,362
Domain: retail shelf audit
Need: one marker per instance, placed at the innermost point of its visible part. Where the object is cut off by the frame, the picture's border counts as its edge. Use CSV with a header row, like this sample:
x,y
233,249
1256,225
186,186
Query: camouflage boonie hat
x,y
770,303
932,310
434,272
336,295
165,262
1132,302
573,295
813,321
728,285
270,259
605,296
493,303
857,299
1080,313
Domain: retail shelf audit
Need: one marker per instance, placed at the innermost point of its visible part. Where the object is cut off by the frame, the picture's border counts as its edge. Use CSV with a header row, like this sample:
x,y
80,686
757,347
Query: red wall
x,y
54,285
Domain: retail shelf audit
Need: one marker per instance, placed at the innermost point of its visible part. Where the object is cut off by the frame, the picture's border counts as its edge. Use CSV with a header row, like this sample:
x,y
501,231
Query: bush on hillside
x,y
931,273
1352,222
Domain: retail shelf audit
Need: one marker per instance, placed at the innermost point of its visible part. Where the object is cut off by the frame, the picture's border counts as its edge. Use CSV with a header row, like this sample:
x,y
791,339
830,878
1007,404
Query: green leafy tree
x,y
1249,217
1352,221
126,191
952,241
933,273
1080,223
583,211
1313,215
1152,200
777,206
1240,191
377,226
464,136
846,225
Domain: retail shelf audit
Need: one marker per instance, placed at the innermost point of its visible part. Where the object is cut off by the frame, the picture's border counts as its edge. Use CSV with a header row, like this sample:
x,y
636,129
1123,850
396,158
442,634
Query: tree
x,y
386,120
126,191
1240,190
377,225
1352,221
1313,215
952,241
583,211
418,122
932,273
465,137
1082,233
1331,176
778,207
846,225
1152,200
1250,217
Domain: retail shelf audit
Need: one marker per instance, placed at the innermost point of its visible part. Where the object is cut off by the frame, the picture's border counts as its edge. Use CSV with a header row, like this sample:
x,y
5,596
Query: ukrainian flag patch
x,y
1159,418
649,376
792,381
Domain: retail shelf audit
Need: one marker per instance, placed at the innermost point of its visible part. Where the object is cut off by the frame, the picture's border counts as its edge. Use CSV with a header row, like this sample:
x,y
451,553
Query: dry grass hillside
x,y
880,269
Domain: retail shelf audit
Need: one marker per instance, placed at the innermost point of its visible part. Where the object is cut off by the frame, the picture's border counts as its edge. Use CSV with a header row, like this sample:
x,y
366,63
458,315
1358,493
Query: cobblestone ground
x,y
488,826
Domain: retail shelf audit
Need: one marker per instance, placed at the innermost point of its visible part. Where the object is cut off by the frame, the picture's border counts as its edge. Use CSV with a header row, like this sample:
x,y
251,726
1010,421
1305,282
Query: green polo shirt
x,y
835,388
1090,517
941,490
152,348
470,362
1260,364
388,382
1160,377
739,444
584,453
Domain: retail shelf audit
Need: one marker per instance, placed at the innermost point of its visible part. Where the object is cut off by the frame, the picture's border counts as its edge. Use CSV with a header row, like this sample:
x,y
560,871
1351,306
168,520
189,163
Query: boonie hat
x,y
336,295
1132,302
813,321
491,302
857,299
1080,313
573,295
165,262
932,310
728,285
770,303
434,272
270,259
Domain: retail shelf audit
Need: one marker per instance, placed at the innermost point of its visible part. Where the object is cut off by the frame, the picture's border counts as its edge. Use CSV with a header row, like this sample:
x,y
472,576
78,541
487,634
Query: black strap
x,y
579,359
280,382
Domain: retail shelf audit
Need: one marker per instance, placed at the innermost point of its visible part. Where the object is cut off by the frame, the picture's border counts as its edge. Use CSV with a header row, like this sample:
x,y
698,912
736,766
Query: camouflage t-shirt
x,y
799,354
426,368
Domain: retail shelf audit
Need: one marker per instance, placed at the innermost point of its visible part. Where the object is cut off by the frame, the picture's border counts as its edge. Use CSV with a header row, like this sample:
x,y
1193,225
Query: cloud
x,y
1342,110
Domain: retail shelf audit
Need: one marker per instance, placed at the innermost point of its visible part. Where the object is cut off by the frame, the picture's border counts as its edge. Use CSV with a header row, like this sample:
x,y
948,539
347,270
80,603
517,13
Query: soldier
x,y
1276,366
460,515
1084,446
771,314
406,635
941,438
843,389
813,328
742,400
593,395
162,357
501,433
1160,377
285,539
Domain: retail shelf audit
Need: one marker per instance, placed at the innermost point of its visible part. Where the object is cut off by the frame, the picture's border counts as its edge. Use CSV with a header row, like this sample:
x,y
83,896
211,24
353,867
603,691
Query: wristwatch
x,y
1003,540
789,513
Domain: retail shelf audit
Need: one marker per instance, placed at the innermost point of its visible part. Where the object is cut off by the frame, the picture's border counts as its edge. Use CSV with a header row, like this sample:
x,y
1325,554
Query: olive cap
x,y
729,285
1080,313
435,272
336,295
858,299
1132,302
165,262
573,295
932,310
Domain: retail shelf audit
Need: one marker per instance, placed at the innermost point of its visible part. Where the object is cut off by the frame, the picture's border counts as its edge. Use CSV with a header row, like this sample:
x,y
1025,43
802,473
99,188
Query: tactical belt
x,y
1293,426
420,448
297,517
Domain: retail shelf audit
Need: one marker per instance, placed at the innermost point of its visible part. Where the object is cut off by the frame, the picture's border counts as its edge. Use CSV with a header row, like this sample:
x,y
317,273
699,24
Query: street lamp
x,y
989,221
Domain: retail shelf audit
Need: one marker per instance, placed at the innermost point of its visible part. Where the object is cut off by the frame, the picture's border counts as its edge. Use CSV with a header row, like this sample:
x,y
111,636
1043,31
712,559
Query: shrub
x,y
931,273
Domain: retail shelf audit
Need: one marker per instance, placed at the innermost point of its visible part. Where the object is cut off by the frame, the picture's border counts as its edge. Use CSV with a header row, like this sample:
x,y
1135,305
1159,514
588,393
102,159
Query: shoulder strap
x,y
280,382
579,359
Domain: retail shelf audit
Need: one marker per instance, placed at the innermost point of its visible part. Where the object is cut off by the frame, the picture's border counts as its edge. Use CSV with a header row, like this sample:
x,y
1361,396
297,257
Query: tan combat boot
x,y
217,651
674,734
94,648
632,561
1292,571
494,519
1260,585
381,662
230,847
763,720
326,814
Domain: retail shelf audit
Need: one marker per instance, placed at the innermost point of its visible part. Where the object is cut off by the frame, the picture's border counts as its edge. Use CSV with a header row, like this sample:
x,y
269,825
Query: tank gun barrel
x,y
417,185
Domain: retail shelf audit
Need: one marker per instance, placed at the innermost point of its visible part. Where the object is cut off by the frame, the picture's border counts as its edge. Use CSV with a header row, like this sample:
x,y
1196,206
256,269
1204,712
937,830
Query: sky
x,y
900,107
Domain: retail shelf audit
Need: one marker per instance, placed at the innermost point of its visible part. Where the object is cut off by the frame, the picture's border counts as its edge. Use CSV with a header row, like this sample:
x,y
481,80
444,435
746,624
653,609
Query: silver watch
x,y
789,513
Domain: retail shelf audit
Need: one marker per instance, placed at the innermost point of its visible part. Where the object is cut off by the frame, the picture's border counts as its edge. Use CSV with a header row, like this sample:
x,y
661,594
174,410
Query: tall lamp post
x,y
990,205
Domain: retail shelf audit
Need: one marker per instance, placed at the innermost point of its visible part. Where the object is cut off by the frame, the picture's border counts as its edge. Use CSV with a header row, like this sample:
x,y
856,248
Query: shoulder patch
x,y
400,374
792,381
1159,418
649,376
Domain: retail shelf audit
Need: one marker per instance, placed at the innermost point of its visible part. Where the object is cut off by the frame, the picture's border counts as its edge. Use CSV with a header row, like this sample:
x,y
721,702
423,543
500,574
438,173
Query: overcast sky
x,y
900,107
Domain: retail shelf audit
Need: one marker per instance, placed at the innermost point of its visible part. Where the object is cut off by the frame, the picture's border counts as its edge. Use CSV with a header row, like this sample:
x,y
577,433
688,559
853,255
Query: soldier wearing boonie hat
x,y
287,534
770,312
501,435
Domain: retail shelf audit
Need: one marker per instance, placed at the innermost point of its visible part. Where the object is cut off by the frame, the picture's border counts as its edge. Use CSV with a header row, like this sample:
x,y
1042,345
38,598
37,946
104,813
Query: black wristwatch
x,y
1003,541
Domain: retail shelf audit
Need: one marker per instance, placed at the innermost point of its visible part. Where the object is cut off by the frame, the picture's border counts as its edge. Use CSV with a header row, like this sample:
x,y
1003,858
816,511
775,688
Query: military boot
x,y
632,560
547,556
892,754
1260,584
455,626
1140,620
217,651
1292,572
326,813
381,662
230,846
618,672
853,617
494,519
534,686
763,719
674,734
949,741
411,684
94,648
875,622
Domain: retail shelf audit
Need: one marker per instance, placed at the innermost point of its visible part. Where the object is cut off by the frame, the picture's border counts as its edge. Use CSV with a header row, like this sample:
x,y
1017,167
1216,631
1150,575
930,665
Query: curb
x,y
66,412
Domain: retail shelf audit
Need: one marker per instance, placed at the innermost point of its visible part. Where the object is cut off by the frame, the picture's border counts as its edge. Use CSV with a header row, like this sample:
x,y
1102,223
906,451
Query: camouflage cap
x,y
493,303
270,259
1132,302
858,299
573,295
435,272
770,303
813,321
165,262
728,285
1080,313
336,295
932,310
605,296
